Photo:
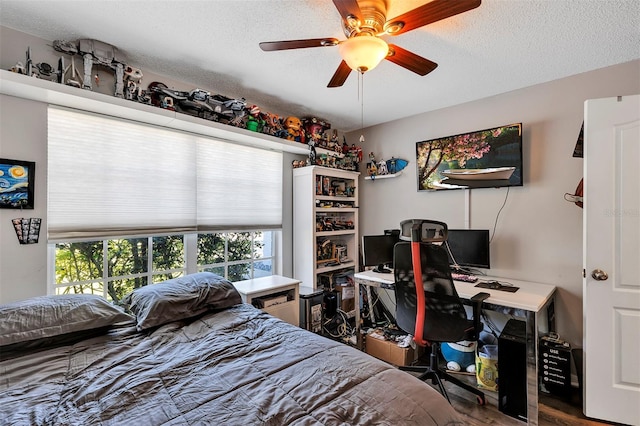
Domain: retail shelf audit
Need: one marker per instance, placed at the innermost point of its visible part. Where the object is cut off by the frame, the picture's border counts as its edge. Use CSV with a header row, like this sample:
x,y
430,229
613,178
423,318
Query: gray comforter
x,y
239,366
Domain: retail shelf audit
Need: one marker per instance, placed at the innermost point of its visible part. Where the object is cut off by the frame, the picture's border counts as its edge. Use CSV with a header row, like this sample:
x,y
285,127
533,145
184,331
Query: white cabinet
x,y
274,294
325,224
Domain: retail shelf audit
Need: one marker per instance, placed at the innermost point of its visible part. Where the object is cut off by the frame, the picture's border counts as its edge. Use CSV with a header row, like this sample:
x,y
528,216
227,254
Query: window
x,y
130,204
115,267
237,256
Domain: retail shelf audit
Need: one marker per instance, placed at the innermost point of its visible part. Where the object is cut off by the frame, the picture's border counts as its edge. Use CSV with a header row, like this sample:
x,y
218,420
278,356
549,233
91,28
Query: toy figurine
x,y
334,137
345,145
382,167
132,78
273,125
460,356
391,165
294,129
395,165
98,53
254,121
357,152
312,153
314,128
372,169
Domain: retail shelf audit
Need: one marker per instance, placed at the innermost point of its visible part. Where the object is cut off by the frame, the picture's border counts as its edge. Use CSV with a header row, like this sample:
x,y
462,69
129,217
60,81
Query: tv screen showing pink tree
x,y
486,158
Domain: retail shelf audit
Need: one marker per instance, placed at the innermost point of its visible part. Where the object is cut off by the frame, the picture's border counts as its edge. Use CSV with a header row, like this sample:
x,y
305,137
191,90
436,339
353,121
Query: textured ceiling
x,y
500,46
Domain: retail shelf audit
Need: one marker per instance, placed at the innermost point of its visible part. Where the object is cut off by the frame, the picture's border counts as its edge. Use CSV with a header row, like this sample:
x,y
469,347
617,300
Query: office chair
x,y
427,304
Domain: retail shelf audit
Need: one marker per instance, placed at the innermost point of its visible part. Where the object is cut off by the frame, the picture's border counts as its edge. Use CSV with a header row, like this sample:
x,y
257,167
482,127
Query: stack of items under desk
x,y
390,346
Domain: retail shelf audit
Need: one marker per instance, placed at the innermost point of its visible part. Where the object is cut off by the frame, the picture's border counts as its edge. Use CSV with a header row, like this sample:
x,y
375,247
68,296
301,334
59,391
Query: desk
x,y
527,303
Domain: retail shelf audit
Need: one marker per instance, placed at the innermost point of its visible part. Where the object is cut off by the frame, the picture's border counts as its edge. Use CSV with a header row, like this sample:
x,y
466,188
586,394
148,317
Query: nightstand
x,y
275,294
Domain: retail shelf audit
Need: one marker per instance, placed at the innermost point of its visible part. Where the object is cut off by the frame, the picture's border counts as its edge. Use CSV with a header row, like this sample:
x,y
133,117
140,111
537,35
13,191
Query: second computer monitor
x,y
469,248
377,250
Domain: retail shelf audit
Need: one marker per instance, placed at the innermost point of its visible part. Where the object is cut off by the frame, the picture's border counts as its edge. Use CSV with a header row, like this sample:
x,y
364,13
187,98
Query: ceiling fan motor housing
x,y
374,15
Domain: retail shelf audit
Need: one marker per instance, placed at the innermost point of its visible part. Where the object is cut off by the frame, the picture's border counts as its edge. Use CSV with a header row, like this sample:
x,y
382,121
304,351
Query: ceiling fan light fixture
x,y
364,52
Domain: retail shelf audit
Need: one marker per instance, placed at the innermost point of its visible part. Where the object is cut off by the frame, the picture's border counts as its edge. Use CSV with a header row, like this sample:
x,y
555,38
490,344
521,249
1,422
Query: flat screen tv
x,y
489,158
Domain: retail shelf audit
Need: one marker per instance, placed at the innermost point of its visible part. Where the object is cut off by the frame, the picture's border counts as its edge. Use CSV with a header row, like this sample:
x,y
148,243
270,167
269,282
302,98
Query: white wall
x,y
23,136
538,235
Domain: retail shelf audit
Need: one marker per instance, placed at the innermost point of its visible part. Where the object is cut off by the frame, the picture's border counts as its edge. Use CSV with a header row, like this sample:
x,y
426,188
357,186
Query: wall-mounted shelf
x,y
49,92
387,176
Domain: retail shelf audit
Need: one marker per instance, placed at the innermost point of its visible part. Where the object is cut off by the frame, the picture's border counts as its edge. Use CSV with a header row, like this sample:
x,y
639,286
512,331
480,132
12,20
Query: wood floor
x,y
551,411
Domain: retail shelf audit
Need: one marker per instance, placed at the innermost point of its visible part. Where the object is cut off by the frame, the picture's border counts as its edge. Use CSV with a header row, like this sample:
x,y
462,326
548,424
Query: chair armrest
x,y
480,297
476,303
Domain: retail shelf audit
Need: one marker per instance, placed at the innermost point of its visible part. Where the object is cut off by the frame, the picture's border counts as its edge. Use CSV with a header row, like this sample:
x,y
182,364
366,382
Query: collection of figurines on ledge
x,y
197,102
382,167
343,156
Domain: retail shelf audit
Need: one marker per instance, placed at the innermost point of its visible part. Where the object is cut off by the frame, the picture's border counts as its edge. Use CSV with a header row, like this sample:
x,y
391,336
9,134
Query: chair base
x,y
437,376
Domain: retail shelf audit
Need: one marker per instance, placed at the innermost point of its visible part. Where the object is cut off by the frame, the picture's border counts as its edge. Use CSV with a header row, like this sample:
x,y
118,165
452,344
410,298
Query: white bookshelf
x,y
309,204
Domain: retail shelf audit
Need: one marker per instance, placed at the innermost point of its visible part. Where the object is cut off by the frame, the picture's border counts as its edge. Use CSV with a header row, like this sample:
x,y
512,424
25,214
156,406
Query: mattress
x,y
236,366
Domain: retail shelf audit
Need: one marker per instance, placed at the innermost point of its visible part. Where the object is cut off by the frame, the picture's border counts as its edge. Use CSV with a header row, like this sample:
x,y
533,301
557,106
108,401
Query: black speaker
x,y
512,370
330,304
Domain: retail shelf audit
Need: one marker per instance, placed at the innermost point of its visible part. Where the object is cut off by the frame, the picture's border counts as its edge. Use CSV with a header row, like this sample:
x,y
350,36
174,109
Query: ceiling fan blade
x,y
429,13
348,8
269,46
410,61
340,76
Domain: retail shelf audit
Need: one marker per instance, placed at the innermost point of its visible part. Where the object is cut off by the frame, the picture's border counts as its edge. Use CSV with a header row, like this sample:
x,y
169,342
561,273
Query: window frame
x,y
190,258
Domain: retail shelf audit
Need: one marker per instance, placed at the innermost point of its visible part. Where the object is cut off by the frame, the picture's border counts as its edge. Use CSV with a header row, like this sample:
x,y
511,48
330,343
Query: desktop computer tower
x,y
512,370
311,309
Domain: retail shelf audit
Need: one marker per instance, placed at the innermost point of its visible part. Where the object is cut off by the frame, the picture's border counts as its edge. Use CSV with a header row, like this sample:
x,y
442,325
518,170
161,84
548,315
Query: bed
x,y
188,352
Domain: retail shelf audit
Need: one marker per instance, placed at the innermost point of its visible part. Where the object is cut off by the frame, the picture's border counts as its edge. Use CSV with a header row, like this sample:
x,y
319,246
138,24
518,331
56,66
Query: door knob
x,y
599,275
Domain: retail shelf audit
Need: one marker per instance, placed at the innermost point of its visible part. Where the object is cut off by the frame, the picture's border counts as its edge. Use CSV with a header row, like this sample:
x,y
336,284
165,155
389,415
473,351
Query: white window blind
x,y
238,186
110,177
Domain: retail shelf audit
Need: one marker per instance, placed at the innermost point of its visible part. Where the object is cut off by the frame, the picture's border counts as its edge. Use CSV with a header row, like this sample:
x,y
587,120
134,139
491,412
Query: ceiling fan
x,y
364,22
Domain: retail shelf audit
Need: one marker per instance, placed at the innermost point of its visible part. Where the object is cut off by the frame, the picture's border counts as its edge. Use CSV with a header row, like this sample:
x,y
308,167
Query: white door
x,y
611,299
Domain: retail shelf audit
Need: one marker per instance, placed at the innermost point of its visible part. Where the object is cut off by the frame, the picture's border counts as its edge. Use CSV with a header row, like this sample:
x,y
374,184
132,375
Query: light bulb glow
x,y
363,53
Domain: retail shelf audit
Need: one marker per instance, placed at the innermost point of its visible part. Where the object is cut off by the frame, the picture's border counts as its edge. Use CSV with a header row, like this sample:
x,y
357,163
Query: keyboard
x,y
464,277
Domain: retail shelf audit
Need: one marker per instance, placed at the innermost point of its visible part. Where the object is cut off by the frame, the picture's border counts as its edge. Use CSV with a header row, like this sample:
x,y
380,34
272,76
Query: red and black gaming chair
x,y
427,304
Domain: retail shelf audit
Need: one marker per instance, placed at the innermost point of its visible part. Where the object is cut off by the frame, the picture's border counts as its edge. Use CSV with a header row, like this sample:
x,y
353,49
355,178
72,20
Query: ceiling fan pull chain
x,y
361,89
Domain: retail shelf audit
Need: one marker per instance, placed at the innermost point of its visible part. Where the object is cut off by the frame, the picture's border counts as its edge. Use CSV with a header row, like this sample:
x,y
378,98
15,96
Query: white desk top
x,y
257,285
531,296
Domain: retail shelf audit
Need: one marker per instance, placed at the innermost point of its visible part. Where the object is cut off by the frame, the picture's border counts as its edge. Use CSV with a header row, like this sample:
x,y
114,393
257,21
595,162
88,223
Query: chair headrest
x,y
423,230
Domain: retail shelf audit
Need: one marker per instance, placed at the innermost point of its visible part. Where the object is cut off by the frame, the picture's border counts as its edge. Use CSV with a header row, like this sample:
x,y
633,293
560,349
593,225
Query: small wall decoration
x,y
27,230
17,180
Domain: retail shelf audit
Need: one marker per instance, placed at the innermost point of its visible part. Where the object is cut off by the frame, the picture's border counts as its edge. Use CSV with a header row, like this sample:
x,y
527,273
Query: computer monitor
x,y
377,250
468,248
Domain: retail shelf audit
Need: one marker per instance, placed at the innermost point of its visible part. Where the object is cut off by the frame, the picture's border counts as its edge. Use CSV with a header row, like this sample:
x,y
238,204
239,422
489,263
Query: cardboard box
x,y
389,351
346,296
347,305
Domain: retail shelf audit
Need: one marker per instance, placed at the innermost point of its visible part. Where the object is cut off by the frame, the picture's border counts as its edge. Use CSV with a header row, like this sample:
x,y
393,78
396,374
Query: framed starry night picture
x,y
17,180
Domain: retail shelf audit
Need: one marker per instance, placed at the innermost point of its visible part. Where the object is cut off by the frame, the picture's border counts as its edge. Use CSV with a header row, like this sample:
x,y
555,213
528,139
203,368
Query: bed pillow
x,y
180,298
46,317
